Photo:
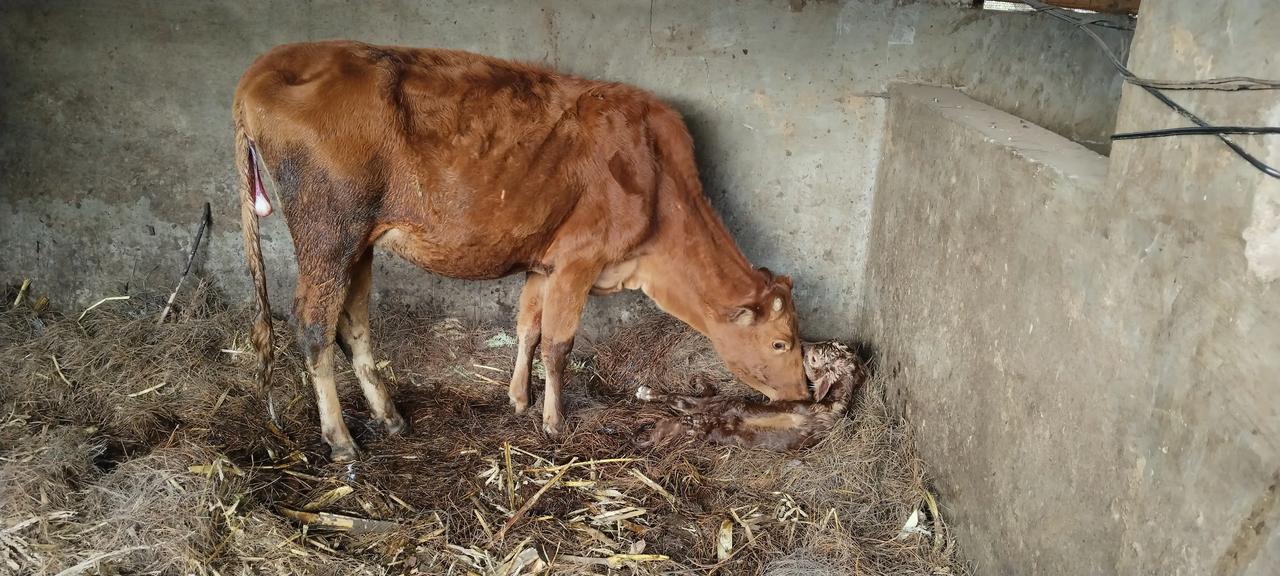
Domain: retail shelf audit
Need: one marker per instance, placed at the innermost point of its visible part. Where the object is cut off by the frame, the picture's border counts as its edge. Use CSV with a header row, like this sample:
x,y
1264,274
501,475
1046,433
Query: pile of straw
x,y
132,447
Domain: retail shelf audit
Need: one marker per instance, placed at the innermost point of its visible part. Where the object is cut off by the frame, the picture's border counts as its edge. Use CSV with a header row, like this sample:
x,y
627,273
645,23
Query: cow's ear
x,y
742,316
784,280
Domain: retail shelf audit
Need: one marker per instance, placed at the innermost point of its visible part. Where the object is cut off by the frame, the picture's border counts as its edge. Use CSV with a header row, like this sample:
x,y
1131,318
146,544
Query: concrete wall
x,y
987,282
1089,348
1200,421
115,125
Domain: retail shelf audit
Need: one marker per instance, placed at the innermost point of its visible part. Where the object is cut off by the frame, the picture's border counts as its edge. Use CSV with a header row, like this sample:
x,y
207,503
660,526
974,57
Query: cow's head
x,y
759,341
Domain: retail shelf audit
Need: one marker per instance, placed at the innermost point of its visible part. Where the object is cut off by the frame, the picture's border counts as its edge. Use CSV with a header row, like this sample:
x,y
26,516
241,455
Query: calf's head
x,y
760,343
826,364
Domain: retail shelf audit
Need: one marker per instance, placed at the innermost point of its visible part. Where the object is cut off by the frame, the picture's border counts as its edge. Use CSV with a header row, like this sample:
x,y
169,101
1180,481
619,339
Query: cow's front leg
x,y
563,297
528,331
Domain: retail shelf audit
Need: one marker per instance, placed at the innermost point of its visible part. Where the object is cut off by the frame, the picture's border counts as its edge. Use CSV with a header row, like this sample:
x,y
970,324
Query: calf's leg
x,y
528,331
357,341
563,296
677,402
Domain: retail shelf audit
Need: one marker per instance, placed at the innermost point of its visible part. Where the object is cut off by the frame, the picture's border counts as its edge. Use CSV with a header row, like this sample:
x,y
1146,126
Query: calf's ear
x,y
823,387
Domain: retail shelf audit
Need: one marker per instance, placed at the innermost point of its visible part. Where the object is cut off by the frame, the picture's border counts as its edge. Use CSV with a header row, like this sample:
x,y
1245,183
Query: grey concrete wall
x,y
1199,424
1089,348
988,281
115,129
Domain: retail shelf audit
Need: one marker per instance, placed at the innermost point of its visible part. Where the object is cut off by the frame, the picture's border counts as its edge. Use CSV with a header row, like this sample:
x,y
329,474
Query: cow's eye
x,y
779,345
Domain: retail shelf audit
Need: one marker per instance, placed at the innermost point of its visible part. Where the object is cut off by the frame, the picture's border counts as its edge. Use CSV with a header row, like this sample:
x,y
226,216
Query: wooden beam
x,y
1107,6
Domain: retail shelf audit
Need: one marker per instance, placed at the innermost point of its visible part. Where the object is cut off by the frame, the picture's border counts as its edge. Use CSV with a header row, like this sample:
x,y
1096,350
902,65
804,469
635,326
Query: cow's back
x,y
389,100
477,165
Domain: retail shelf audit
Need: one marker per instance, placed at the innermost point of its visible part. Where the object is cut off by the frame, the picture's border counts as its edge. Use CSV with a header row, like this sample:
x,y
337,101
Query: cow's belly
x,y
465,258
617,277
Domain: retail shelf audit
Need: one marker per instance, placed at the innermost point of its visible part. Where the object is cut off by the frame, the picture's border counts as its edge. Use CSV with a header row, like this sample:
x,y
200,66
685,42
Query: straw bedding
x,y
130,447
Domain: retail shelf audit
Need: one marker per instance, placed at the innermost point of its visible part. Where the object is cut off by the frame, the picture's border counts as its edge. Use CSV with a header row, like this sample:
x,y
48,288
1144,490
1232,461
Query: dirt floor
x,y
128,447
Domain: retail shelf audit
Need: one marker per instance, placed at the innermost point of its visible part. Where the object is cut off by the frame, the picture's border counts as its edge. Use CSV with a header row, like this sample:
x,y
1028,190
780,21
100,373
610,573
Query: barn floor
x,y
127,447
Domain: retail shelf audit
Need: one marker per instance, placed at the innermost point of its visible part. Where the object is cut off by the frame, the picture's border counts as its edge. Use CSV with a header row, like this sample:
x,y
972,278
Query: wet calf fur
x,y
833,372
477,168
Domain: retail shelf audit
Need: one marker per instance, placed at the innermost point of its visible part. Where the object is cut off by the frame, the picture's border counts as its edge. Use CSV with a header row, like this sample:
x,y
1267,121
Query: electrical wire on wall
x,y
1156,88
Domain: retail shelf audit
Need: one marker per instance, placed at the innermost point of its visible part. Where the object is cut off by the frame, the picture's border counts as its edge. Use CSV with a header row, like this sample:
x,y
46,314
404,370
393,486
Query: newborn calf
x,y
833,373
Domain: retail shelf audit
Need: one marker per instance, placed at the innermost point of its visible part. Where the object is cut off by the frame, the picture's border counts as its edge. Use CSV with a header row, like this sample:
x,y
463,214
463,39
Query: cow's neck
x,y
696,270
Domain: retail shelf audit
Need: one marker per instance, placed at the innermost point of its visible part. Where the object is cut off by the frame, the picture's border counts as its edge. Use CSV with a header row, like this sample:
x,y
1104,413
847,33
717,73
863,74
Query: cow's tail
x,y
252,194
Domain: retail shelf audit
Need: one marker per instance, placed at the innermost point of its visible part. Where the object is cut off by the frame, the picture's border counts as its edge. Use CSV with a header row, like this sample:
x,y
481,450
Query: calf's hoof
x,y
518,404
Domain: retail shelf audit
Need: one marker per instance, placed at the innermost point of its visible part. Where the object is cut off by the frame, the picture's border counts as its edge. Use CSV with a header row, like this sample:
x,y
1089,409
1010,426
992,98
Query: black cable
x,y
1104,23
1229,83
1250,158
1189,130
1148,86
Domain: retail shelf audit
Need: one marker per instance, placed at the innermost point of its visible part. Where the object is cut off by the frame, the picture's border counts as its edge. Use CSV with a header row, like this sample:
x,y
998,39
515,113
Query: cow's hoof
x,y
645,393
520,406
395,425
553,426
344,453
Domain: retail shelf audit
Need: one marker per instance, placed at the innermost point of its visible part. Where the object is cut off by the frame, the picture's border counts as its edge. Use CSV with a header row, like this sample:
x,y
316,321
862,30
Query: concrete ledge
x,y
988,252
1001,131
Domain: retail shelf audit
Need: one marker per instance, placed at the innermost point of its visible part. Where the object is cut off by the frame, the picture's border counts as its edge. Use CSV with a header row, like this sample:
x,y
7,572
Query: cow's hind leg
x,y
356,340
317,303
329,238
563,297
528,332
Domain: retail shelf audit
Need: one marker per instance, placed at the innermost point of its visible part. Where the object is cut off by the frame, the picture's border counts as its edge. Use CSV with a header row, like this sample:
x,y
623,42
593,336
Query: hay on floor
x,y
127,447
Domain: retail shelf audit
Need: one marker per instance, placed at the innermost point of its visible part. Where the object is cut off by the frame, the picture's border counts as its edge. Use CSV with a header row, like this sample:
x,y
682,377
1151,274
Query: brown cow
x,y
473,167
